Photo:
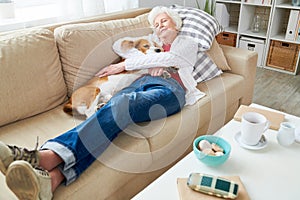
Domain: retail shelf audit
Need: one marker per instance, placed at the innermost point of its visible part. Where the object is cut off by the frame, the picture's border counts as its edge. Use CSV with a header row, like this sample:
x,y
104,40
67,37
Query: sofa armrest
x,y
243,62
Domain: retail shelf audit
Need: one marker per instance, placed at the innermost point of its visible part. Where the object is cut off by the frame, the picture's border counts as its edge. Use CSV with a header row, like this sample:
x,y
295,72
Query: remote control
x,y
213,185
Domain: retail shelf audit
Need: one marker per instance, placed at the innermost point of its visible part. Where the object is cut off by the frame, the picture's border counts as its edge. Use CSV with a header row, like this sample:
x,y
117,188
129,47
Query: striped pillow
x,y
203,28
198,25
205,69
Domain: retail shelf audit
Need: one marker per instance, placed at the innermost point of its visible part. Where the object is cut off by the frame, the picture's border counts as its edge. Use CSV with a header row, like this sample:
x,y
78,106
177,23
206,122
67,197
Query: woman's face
x,y
164,26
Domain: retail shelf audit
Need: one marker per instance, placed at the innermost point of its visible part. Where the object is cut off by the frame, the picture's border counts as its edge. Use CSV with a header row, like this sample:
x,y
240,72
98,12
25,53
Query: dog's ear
x,y
126,45
137,43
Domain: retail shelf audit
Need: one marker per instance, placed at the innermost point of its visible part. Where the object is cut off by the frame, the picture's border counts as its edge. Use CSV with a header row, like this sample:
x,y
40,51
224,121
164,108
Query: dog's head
x,y
143,45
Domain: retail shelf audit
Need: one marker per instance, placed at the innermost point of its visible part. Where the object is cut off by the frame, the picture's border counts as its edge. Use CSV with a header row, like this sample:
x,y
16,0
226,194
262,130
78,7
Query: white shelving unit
x,y
274,17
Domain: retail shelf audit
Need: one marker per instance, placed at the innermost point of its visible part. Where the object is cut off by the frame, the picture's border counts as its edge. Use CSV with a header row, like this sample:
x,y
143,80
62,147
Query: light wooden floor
x,y
277,90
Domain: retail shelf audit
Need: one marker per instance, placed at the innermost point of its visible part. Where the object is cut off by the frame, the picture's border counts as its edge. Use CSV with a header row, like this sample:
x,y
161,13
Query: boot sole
x,y
22,180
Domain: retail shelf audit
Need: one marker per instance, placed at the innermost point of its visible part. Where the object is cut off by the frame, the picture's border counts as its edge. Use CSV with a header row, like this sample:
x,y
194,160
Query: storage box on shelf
x,y
253,44
283,55
281,42
227,38
274,26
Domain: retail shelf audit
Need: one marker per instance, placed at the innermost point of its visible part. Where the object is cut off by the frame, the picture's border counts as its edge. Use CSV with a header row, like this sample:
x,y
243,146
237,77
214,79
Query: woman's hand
x,y
156,71
111,69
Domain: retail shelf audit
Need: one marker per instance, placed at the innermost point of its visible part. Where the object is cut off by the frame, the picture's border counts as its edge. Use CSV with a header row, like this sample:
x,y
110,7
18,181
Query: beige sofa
x,y
40,67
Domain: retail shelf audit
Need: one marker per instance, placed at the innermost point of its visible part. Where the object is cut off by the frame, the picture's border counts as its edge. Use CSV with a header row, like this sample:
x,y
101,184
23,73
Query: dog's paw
x,y
100,105
82,109
166,74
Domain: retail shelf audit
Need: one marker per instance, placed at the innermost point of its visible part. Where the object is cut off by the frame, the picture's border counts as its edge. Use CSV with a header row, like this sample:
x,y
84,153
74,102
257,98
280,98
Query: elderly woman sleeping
x,y
36,174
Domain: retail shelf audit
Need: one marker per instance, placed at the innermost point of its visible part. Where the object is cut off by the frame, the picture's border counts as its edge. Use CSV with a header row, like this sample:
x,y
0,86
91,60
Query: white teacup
x,y
252,128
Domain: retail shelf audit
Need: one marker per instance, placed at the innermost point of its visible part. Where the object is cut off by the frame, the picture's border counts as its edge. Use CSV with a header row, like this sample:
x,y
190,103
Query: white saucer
x,y
261,144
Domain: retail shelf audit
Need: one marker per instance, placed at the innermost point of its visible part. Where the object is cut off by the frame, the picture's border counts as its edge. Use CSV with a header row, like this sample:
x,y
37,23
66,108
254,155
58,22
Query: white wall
x,y
192,3
118,5
152,3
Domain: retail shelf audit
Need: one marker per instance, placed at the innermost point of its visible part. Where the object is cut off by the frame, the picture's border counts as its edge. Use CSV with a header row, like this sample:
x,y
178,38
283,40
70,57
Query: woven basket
x,y
227,38
283,55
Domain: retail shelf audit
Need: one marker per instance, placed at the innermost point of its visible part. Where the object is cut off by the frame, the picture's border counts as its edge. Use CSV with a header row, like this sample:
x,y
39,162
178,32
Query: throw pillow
x,y
198,25
30,72
205,69
87,47
218,57
203,28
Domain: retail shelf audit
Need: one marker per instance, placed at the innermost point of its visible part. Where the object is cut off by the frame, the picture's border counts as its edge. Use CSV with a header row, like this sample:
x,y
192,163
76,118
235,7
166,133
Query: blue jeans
x,y
148,98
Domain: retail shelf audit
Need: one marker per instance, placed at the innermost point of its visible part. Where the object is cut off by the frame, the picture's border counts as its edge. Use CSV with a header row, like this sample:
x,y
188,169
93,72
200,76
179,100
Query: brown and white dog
x,y
86,100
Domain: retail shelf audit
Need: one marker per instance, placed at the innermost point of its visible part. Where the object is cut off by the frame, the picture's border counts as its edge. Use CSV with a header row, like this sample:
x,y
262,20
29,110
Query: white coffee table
x,y
269,173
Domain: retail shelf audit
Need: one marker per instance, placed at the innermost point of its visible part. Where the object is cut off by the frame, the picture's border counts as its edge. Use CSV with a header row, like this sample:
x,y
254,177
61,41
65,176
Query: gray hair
x,y
159,10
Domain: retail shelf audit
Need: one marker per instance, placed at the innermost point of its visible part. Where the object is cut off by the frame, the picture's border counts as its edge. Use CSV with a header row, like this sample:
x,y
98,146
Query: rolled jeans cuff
x,y
69,174
63,152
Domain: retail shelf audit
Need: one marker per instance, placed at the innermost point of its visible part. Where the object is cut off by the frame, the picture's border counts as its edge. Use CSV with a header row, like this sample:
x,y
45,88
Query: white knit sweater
x,y
183,55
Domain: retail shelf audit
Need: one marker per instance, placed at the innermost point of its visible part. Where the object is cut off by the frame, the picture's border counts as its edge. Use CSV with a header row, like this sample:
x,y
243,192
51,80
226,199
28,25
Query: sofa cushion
x,y
82,45
30,72
216,54
202,28
140,149
198,25
101,173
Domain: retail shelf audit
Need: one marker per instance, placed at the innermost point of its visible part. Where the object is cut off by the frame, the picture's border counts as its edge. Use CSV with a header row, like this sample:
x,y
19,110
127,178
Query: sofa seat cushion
x,y
129,157
30,72
222,92
141,148
54,122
